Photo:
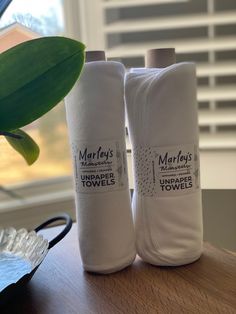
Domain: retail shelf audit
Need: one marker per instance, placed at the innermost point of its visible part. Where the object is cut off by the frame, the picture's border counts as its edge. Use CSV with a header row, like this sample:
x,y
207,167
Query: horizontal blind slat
x,y
217,117
218,141
170,22
216,69
217,93
111,4
182,46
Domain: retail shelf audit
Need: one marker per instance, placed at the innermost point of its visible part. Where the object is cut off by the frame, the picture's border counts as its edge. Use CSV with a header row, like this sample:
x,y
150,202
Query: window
x,y
28,195
202,31
22,21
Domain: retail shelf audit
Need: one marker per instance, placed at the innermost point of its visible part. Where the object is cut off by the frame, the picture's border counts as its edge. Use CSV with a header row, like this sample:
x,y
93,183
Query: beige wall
x,y
12,38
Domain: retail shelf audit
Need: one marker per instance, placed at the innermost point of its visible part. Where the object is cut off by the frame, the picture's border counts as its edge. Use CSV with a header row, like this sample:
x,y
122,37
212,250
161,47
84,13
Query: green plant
x,y
34,77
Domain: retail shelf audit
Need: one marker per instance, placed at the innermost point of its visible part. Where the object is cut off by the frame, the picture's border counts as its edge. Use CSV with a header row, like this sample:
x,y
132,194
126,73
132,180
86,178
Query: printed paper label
x,y
167,171
100,167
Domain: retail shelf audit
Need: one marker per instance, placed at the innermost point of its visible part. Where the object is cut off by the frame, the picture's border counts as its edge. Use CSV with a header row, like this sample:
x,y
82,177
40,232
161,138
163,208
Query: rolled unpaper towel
x,y
95,117
163,126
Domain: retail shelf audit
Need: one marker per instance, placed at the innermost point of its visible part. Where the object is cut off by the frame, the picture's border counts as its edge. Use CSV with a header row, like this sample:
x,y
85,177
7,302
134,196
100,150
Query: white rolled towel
x,y
95,117
163,126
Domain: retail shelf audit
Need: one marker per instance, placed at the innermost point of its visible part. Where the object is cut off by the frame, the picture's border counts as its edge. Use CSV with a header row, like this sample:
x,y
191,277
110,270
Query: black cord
x,y
62,234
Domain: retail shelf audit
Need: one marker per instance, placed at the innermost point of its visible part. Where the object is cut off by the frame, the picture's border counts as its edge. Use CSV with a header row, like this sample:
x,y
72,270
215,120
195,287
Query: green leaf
x,y
35,76
26,146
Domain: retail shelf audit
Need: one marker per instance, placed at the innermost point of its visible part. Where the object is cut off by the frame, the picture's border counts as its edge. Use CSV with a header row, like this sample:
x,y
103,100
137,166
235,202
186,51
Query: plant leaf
x,y
26,146
35,76
3,6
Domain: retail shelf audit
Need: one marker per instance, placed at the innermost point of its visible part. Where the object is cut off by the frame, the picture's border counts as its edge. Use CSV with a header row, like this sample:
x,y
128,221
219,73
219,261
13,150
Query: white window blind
x,y
203,31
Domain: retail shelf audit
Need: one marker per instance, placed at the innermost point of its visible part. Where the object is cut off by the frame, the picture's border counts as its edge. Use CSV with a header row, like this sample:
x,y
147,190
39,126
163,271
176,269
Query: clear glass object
x,y
20,252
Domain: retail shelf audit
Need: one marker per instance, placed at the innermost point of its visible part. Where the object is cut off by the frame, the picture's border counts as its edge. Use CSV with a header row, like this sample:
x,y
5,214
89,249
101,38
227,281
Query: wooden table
x,y
60,286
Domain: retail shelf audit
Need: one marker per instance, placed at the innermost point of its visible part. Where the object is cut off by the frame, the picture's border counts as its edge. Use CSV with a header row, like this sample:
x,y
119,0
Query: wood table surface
x,y
60,286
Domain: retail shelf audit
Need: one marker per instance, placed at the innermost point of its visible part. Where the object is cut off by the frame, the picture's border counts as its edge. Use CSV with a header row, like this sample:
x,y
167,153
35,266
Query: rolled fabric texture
x,y
96,123
163,126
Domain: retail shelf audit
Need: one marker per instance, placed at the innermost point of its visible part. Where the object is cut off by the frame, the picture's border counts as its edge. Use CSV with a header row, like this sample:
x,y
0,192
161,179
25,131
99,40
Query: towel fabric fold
x,y
163,126
95,117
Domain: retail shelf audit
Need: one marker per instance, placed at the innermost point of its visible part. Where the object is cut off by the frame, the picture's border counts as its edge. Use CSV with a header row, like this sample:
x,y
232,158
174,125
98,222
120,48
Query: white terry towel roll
x,y
95,117
163,126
